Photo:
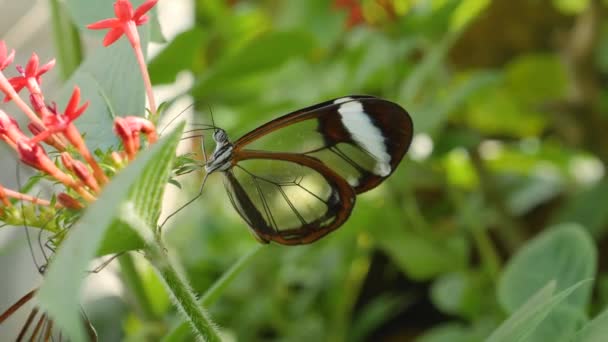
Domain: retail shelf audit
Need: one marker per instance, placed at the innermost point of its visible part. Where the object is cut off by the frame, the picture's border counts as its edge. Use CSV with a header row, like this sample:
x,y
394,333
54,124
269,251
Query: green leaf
x,y
109,77
430,118
587,208
527,318
58,295
66,39
110,80
85,12
259,55
536,78
423,257
594,331
181,54
564,253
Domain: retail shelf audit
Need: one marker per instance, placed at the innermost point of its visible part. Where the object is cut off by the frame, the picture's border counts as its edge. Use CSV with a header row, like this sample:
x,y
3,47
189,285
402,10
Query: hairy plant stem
x,y
181,333
181,293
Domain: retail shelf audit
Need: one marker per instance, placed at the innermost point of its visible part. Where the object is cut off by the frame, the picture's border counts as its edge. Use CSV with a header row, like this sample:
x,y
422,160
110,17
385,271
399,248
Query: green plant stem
x,y
181,293
510,230
178,288
181,331
488,254
489,257
350,290
220,285
133,281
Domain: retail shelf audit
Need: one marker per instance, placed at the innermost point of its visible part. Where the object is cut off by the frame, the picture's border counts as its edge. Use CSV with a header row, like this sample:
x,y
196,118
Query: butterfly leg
x,y
200,193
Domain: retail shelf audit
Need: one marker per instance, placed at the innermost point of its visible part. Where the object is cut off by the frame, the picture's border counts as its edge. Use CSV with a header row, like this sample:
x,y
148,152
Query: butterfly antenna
x,y
180,114
200,193
211,114
175,118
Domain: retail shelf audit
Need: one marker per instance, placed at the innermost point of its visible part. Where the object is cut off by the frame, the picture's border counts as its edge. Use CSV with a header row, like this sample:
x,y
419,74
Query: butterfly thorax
x,y
221,159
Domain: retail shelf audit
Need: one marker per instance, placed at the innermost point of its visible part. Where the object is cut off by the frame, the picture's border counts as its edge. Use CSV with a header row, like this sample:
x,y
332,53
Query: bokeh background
x,y
503,189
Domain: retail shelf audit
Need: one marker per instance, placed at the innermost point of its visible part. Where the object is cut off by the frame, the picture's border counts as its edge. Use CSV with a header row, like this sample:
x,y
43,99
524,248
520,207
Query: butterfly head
x,y
221,159
220,137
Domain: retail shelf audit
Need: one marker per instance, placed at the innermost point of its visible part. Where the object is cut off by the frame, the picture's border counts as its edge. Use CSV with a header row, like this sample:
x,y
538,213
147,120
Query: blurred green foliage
x,y
502,196
492,228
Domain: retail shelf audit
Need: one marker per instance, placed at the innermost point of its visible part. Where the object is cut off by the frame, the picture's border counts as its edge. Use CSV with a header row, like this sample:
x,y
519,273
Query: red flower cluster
x,y
76,168
355,12
81,175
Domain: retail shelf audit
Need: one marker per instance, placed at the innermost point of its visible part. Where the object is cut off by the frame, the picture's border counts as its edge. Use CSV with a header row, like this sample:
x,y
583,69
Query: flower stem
x,y
143,67
176,285
181,332
181,293
12,94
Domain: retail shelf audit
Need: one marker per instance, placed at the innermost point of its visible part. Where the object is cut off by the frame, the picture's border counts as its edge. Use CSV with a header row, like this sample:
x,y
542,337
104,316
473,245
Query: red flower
x,y
9,129
355,12
129,129
32,154
31,75
5,59
125,21
57,122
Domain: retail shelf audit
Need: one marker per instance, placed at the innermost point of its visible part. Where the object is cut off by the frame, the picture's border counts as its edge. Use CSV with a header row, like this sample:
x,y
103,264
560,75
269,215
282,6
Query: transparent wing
x,y
288,198
361,138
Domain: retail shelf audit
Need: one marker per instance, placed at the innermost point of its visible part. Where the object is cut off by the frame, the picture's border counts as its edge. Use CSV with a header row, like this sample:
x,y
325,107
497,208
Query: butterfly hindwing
x,y
288,198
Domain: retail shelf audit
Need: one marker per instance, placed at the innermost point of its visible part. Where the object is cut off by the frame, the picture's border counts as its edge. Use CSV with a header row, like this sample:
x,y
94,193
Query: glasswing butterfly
x,y
295,179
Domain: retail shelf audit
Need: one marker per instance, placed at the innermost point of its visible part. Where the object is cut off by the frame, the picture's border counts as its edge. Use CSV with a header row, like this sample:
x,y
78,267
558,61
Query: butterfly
x,y
295,179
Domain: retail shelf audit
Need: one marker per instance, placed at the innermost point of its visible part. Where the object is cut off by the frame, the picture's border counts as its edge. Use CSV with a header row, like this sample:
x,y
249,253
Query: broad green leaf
x,y
587,209
314,16
58,295
259,55
431,118
66,38
594,331
559,325
182,53
110,80
109,77
468,294
536,78
496,110
422,257
565,254
86,12
448,291
527,318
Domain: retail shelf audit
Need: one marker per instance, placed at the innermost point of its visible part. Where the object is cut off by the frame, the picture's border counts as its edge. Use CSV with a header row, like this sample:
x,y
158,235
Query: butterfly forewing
x,y
361,138
288,198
